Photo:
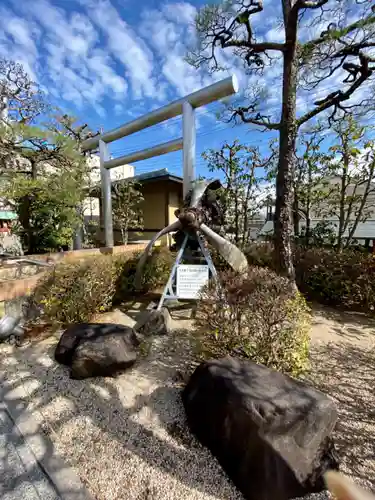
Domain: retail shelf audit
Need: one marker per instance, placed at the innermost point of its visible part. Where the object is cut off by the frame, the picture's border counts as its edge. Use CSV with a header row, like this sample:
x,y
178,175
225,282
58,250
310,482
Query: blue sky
x,y
109,61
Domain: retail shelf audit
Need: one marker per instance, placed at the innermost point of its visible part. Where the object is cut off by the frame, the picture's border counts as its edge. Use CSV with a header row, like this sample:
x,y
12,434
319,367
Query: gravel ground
x,y
343,366
126,436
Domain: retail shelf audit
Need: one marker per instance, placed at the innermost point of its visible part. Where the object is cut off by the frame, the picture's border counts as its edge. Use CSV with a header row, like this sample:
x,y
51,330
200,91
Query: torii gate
x,y
190,219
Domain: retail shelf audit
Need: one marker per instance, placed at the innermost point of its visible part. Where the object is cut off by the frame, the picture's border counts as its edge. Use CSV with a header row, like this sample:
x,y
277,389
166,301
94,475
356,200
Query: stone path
x,y
30,469
21,475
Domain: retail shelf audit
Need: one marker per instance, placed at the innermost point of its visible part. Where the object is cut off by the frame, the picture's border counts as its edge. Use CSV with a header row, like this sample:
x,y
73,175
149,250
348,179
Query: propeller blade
x,y
175,226
233,255
199,188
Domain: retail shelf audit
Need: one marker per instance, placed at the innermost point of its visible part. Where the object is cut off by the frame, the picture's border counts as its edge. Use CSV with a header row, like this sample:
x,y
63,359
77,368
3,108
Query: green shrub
x,y
259,316
158,268
74,292
260,254
155,273
345,279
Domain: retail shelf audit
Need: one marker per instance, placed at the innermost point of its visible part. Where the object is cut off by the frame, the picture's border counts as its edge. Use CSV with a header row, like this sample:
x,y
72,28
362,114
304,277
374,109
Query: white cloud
x,y
275,34
76,69
21,33
125,45
99,62
17,40
170,31
180,75
86,57
180,12
119,109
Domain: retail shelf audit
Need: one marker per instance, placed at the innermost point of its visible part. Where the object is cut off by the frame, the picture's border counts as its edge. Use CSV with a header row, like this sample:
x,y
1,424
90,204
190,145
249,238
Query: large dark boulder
x,y
97,349
104,357
270,433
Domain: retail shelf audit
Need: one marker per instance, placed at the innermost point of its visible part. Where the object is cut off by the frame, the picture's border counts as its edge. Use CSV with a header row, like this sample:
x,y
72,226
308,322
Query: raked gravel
x,y
126,437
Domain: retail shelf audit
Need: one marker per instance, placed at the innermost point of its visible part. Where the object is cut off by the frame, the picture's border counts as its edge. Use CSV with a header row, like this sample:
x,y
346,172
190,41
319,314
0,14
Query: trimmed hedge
x,y
259,316
74,292
345,279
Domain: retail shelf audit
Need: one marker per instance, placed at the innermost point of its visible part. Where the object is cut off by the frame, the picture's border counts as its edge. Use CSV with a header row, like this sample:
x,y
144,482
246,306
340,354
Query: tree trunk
x,y
308,223
287,146
245,209
308,205
34,169
296,213
24,218
236,220
124,235
343,187
30,239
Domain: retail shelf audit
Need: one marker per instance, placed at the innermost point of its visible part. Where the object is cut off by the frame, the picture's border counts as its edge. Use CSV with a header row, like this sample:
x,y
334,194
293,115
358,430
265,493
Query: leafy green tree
x,y
318,42
127,199
241,167
43,173
308,181
50,172
47,219
322,234
350,194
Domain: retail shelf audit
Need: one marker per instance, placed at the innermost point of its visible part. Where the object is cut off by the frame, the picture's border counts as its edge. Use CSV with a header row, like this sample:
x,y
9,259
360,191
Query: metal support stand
x,y
169,292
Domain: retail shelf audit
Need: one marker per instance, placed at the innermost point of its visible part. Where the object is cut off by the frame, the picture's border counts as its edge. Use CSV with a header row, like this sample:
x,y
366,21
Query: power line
x,y
218,128
146,132
221,128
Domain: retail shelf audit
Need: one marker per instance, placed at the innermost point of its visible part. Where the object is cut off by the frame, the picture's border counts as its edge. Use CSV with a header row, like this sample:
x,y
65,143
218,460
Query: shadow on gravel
x,y
347,373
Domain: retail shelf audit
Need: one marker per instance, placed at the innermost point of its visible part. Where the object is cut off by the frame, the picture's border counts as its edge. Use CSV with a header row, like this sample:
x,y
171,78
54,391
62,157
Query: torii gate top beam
x,y
214,92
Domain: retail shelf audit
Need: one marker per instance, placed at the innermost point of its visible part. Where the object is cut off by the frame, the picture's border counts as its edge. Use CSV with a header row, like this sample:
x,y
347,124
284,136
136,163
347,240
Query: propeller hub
x,y
189,218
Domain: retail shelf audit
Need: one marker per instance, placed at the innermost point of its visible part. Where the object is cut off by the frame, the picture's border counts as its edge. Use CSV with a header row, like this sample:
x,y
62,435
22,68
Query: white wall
x,y
91,208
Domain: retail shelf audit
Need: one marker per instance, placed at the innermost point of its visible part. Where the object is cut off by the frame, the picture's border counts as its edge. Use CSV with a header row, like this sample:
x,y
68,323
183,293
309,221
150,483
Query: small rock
x,y
171,303
10,244
152,305
12,340
116,317
8,326
154,323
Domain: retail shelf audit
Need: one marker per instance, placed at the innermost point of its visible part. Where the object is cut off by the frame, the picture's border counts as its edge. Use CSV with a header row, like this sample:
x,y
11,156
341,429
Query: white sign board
x,y
190,279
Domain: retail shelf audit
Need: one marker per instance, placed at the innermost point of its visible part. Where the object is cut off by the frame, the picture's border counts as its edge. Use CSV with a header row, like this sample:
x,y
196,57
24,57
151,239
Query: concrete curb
x,y
62,477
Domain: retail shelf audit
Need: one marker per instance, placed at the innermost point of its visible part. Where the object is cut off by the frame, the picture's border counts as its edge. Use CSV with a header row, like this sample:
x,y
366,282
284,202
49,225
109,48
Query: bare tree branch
x,y
335,99
258,119
337,34
236,27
